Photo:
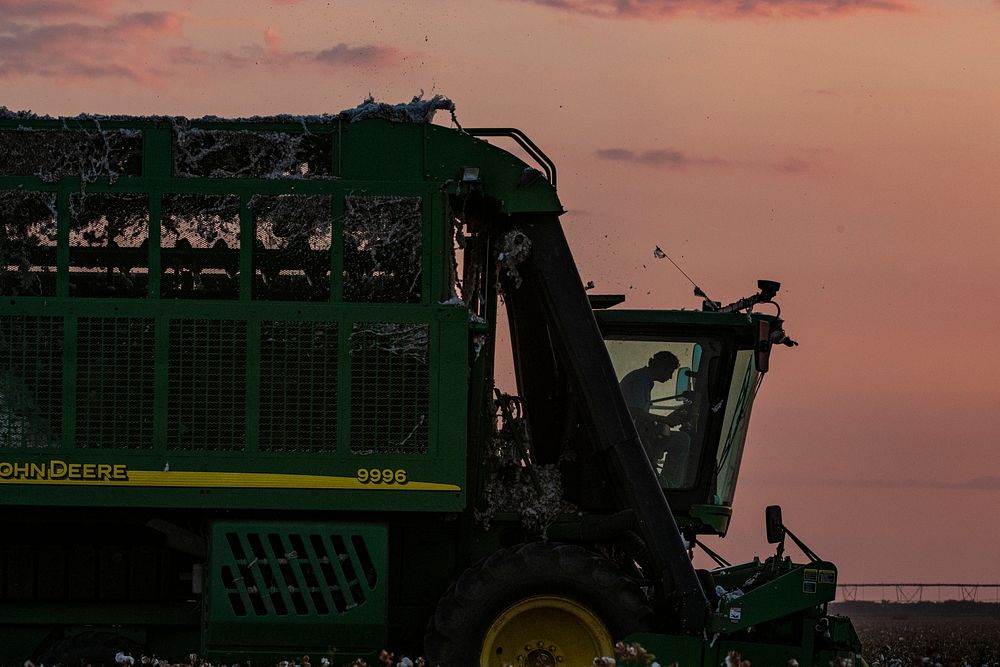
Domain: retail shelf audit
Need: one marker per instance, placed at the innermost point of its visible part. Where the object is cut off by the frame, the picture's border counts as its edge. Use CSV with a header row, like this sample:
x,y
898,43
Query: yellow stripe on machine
x,y
227,480
257,480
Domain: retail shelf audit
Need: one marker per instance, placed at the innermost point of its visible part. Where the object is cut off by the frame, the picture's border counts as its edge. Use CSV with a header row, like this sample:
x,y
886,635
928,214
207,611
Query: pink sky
x,y
848,148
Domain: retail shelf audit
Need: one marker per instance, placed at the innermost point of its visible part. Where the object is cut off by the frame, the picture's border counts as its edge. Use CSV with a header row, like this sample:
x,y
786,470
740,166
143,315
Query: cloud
x,y
272,54
144,47
672,158
15,10
667,9
342,54
70,51
794,165
193,57
984,483
660,157
615,154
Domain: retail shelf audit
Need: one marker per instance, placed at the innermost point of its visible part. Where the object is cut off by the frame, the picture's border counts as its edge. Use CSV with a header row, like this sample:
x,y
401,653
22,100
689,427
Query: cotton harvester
x,y
247,407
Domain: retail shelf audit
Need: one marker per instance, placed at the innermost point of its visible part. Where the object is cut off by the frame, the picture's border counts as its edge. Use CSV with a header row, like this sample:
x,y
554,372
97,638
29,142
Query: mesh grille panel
x,y
390,388
298,386
30,381
207,385
296,573
108,239
54,154
114,375
200,246
383,249
243,154
27,243
291,253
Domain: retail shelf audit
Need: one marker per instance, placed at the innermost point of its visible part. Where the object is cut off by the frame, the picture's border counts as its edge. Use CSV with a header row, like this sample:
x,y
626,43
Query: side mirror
x,y
763,350
683,380
773,525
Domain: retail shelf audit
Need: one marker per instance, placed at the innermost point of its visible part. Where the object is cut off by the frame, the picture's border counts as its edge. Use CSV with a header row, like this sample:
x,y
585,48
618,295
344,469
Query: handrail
x,y
536,153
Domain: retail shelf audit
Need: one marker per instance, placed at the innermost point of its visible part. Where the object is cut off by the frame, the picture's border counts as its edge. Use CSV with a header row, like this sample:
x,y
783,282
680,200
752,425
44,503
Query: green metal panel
x,y
382,151
801,587
158,339
410,415
772,614
274,587
367,150
501,172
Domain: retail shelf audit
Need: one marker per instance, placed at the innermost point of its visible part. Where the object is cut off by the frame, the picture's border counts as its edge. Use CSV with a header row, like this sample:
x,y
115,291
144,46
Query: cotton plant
x,y
629,655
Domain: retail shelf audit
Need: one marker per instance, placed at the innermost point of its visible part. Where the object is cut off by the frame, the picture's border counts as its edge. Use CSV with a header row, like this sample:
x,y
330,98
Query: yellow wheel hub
x,y
545,631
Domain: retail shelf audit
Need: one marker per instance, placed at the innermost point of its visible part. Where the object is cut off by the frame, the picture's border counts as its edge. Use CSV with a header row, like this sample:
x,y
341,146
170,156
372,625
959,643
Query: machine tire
x,y
533,593
89,648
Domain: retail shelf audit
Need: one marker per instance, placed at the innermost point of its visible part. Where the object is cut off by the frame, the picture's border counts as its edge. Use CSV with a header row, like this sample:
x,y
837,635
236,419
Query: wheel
x,y
544,630
537,605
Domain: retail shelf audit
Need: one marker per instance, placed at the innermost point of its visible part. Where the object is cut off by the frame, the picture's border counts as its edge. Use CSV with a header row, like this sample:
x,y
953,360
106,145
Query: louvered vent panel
x,y
287,571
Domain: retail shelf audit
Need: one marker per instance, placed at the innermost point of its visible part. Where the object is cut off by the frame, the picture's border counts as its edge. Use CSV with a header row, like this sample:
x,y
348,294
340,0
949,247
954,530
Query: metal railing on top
x,y
522,140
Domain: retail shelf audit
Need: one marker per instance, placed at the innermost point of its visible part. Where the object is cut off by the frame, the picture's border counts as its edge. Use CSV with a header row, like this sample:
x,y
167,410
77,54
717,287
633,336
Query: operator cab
x,y
689,380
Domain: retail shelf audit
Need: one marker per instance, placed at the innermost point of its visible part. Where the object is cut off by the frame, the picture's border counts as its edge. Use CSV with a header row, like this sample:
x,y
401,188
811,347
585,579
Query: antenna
x,y
709,304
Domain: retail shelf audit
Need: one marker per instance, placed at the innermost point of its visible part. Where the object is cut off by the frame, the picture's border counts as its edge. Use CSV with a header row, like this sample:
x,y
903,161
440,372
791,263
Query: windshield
x,y
666,387
734,424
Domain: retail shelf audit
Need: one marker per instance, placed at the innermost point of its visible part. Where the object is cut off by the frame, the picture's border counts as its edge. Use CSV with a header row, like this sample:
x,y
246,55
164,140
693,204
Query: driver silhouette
x,y
669,451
